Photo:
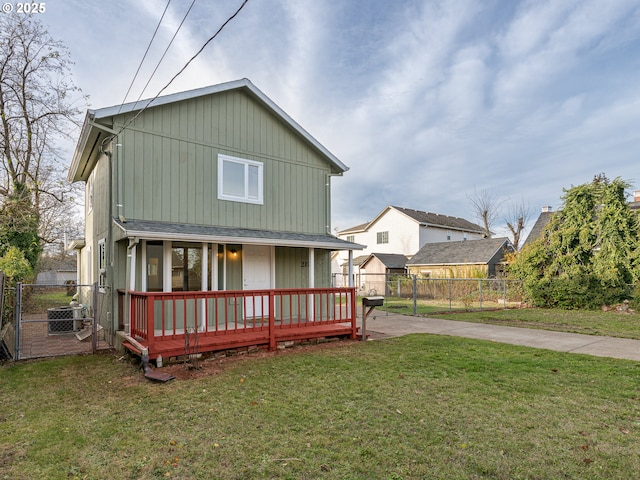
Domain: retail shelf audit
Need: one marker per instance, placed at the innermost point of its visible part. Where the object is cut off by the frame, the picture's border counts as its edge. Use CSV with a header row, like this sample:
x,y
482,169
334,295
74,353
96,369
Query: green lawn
x,y
613,324
416,407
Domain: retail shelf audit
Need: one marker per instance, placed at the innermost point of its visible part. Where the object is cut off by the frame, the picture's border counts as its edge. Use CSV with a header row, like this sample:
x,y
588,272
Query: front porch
x,y
172,324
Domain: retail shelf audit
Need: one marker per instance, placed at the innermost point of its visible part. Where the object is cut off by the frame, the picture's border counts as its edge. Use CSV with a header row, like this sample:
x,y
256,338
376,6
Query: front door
x,y
256,275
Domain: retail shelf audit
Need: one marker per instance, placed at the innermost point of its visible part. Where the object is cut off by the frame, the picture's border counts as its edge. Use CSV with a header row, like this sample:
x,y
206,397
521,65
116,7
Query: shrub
x,y
584,291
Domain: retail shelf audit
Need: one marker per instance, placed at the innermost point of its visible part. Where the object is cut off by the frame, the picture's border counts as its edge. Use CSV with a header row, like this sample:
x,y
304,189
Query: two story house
x,y
207,212
399,231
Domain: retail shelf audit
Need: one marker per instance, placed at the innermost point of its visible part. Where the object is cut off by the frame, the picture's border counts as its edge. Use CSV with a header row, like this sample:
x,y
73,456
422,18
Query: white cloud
x,y
423,99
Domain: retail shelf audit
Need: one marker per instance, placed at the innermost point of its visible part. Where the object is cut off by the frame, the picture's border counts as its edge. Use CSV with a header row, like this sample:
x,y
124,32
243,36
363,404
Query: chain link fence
x,y
53,320
413,295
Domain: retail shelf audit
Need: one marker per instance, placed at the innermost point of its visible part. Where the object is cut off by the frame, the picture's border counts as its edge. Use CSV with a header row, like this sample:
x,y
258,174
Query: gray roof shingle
x,y
438,220
391,260
211,233
456,253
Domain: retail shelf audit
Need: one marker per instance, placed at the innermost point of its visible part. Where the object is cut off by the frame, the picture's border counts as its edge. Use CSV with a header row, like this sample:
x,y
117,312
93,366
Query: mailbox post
x,y
371,302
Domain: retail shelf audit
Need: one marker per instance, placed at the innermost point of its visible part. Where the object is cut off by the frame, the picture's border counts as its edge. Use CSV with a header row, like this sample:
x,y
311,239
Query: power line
x,y
144,56
180,71
165,51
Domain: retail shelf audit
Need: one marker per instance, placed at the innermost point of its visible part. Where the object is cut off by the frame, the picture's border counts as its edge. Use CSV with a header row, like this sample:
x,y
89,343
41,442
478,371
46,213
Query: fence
x,y
411,294
53,320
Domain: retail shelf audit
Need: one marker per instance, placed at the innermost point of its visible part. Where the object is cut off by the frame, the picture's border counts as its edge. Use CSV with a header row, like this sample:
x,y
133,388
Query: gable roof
x,y
437,220
426,219
358,228
479,251
93,131
389,260
538,227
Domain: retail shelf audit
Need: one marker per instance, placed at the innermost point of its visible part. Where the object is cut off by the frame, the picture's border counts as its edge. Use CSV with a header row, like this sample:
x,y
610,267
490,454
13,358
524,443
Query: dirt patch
x,y
187,370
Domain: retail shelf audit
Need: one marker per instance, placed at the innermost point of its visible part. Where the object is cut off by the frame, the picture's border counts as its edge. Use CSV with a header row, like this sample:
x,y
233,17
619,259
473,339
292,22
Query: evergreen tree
x,y
589,251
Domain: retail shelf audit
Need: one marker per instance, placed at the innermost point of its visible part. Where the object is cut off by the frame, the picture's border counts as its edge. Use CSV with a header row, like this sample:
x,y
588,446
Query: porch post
x,y
214,266
133,244
350,268
166,266
312,284
143,266
312,268
203,284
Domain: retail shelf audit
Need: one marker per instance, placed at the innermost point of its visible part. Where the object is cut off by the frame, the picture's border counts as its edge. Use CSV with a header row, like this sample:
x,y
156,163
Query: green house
x,y
214,189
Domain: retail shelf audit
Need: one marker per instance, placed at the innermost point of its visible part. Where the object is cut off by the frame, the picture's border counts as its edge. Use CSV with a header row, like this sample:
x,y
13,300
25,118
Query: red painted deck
x,y
183,323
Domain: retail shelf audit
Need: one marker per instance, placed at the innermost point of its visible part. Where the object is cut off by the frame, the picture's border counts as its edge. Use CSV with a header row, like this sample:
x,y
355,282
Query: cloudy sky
x,y
425,100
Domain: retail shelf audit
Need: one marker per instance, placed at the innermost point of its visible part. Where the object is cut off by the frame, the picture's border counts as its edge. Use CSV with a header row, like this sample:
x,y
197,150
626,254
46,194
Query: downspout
x,y
109,246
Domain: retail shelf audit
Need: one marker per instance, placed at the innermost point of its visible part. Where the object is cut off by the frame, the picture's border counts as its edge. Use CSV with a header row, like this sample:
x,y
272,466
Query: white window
x,y
102,265
240,180
382,237
90,193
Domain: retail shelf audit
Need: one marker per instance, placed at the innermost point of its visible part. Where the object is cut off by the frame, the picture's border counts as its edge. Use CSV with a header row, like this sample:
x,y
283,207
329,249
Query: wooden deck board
x,y
208,343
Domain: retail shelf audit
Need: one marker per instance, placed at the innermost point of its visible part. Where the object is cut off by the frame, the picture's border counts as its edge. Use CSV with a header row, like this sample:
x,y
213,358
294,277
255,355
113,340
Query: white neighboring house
x,y
401,231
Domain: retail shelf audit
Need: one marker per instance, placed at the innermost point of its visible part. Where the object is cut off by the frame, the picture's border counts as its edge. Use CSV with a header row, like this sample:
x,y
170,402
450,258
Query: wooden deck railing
x,y
162,316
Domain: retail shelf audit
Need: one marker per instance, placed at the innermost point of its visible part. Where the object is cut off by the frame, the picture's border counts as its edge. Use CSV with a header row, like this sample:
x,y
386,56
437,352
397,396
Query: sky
x,y
425,101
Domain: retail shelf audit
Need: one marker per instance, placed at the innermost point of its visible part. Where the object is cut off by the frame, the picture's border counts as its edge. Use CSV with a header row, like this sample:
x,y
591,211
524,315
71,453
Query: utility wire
x,y
181,70
144,56
165,51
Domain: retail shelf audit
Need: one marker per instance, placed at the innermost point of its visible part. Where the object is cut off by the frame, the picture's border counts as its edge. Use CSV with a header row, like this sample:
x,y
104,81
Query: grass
x,y
39,300
610,323
413,407
404,306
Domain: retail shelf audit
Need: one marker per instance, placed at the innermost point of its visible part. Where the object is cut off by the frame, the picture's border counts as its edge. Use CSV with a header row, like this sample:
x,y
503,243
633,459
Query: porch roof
x,y
149,230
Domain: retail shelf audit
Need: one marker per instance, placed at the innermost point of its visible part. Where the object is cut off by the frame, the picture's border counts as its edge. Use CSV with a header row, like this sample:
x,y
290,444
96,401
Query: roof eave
x,y
80,155
247,240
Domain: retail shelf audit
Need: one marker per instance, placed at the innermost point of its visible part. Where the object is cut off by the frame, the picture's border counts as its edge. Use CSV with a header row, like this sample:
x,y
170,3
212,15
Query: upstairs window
x,y
382,237
351,238
240,180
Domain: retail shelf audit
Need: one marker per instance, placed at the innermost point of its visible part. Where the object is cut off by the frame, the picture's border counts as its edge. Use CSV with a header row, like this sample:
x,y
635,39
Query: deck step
x,y
131,348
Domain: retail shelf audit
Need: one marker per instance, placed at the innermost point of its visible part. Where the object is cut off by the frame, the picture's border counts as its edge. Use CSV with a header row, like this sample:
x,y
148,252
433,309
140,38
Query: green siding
x,y
292,270
168,165
322,268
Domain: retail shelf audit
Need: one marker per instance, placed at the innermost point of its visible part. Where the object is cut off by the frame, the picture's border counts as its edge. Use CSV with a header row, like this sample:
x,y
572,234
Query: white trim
x,y
144,269
214,266
132,272
167,265
247,164
312,268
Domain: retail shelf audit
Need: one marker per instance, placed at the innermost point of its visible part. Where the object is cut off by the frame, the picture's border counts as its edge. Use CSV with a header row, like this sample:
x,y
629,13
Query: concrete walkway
x,y
380,325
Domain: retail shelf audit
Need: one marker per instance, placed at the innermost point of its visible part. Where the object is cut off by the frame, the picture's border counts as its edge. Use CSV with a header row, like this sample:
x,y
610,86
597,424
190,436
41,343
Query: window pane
x,y
194,269
233,177
254,172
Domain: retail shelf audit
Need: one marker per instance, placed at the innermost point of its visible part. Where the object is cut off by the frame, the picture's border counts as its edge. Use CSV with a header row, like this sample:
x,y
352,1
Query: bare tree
x,y
36,110
486,205
516,220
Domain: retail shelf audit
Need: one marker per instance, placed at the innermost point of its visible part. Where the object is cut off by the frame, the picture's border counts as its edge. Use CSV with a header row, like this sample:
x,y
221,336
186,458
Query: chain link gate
x,y
55,320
